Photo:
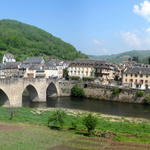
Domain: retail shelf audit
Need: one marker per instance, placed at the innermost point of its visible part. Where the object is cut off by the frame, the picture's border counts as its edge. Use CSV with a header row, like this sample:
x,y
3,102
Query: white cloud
x,y
97,42
143,9
147,30
131,39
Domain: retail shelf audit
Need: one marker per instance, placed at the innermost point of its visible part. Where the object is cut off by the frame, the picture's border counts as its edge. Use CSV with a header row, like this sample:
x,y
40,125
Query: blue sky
x,y
93,26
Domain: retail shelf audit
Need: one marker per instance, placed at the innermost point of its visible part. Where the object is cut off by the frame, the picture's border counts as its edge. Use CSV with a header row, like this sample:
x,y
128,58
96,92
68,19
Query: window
x,y
126,80
135,75
131,75
126,75
146,81
131,80
141,75
146,76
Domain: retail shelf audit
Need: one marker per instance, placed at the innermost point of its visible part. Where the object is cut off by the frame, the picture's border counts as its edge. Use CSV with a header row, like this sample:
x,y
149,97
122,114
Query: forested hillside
x,y
143,56
24,41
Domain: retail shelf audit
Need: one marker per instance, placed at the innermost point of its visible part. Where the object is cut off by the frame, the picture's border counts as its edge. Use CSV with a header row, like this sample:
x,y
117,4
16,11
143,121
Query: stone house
x,y
34,71
54,69
137,77
10,69
32,67
81,68
104,71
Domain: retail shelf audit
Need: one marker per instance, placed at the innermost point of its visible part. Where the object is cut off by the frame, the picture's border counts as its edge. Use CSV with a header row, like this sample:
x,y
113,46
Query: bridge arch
x,y
51,90
31,92
4,100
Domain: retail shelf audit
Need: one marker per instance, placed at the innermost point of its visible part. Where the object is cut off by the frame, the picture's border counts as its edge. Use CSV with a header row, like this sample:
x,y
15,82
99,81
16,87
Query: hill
x,y
24,41
143,56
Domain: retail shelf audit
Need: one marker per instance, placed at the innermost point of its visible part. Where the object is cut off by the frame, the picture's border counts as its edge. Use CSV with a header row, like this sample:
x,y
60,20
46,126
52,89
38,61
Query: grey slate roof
x,y
94,63
34,60
50,66
10,65
35,67
138,70
9,55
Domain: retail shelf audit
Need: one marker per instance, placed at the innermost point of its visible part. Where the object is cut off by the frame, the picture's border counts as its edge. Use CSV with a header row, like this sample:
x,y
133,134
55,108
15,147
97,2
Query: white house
x,y
81,68
7,58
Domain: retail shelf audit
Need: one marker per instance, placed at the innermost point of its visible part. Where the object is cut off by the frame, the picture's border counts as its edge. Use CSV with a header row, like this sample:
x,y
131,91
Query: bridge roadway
x,y
11,90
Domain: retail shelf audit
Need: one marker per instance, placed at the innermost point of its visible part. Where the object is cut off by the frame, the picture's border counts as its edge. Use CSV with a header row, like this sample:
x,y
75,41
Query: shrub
x,y
74,124
103,134
90,122
139,94
88,79
74,78
116,91
57,118
147,99
77,92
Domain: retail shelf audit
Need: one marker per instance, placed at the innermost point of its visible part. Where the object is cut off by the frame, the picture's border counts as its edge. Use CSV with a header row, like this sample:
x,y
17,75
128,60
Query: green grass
x,y
135,139
30,116
33,138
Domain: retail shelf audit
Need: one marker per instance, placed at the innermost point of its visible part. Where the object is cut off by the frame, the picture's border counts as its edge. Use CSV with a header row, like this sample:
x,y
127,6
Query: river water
x,y
105,107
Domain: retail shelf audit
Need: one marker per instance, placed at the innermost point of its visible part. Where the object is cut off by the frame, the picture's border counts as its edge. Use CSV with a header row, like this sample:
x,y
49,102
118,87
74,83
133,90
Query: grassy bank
x,y
123,129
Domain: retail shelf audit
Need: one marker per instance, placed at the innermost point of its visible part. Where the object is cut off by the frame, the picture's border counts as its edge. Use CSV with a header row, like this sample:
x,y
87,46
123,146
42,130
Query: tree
x,y
77,92
57,118
65,74
90,122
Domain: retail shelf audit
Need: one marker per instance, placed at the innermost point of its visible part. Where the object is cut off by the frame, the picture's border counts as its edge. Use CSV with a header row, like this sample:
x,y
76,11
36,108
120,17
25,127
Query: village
x,y
129,74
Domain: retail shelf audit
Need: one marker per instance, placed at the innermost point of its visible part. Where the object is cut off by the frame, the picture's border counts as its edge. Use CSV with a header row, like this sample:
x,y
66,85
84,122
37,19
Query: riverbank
x,y
39,116
112,118
123,129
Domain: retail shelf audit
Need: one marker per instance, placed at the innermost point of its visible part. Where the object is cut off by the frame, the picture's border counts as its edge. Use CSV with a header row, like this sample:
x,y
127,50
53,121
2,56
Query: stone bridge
x,y
11,90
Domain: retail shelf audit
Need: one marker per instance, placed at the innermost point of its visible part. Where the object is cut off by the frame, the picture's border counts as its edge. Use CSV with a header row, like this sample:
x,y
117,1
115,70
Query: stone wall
x,y
106,93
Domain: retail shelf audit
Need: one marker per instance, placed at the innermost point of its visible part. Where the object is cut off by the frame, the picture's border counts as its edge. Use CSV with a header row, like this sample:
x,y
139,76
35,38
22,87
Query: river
x,y
92,105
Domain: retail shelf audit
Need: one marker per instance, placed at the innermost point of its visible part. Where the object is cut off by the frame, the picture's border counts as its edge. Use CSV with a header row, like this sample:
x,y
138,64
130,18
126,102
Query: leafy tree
x,y
65,74
90,122
116,91
57,118
77,92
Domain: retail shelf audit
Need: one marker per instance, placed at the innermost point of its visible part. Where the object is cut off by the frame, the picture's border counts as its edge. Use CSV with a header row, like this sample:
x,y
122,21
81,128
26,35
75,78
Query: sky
x,y
95,27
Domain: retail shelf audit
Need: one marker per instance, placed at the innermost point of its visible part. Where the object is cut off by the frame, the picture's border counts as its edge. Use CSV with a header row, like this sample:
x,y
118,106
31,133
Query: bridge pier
x,y
42,95
15,100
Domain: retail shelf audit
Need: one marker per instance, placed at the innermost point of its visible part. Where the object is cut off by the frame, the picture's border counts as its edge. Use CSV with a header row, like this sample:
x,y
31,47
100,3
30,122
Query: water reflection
x,y
106,107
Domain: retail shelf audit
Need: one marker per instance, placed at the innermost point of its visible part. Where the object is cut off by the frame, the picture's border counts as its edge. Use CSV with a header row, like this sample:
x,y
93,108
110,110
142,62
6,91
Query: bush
x,y
90,122
103,134
116,91
57,118
74,124
88,79
147,99
77,92
74,78
139,94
